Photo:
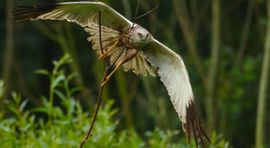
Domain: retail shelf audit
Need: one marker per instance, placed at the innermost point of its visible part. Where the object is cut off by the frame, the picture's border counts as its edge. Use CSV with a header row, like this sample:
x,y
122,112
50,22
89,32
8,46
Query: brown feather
x,y
23,13
193,126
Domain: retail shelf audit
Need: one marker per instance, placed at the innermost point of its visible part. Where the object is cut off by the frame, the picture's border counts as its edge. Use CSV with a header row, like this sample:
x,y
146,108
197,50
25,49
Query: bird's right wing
x,y
82,13
174,76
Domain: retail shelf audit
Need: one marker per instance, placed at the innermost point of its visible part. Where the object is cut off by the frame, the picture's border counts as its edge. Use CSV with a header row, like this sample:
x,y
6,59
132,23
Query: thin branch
x,y
245,33
138,17
153,20
89,133
137,9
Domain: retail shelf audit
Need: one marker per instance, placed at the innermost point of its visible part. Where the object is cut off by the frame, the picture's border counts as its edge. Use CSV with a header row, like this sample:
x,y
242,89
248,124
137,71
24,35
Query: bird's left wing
x,y
174,76
82,13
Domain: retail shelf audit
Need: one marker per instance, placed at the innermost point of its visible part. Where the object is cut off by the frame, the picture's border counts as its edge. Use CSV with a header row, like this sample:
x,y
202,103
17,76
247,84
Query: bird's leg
x,y
131,53
104,54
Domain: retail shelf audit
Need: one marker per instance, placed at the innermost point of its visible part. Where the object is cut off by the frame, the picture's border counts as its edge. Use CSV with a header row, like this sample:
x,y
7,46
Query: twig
x,y
88,135
108,66
138,17
137,9
146,13
245,35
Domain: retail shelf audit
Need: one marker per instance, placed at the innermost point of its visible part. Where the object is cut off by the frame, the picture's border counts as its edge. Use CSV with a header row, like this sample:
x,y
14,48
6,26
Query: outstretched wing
x,y
82,13
174,76
86,15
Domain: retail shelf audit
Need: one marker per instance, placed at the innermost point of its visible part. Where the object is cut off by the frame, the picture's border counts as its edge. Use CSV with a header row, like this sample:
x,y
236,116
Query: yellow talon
x,y
106,80
104,55
131,53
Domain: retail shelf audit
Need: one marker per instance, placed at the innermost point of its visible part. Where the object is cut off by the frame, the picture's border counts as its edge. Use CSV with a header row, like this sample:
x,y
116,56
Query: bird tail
x,y
22,13
193,126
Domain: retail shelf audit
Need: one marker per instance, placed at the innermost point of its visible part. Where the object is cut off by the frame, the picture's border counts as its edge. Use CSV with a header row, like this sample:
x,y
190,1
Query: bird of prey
x,y
128,45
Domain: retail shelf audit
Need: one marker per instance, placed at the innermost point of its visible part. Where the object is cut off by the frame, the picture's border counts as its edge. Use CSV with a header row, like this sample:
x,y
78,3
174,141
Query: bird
x,y
128,45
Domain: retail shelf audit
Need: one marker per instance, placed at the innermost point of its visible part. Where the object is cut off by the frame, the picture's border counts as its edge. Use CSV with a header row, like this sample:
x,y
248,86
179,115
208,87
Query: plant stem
x,y
263,87
215,46
51,96
245,34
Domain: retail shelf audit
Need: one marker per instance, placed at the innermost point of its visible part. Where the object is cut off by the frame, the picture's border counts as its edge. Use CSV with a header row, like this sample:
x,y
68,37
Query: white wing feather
x,y
173,74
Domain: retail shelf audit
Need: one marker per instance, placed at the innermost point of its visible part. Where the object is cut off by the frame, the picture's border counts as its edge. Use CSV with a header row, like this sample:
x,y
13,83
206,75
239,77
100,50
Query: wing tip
x,y
193,126
22,13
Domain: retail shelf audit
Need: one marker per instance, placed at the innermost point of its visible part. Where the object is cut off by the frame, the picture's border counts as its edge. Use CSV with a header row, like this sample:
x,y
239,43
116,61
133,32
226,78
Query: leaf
x,y
45,103
75,89
16,98
57,80
40,109
23,104
13,109
42,72
55,63
71,76
60,95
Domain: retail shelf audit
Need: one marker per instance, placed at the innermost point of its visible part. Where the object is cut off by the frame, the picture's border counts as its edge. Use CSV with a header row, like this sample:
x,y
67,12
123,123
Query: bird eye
x,y
140,35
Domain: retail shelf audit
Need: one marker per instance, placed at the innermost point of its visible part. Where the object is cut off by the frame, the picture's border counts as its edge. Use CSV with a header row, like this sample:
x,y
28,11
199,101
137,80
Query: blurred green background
x,y
224,43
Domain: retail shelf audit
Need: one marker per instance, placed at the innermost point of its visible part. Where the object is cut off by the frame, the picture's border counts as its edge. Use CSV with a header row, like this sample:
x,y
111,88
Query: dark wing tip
x,y
22,13
193,126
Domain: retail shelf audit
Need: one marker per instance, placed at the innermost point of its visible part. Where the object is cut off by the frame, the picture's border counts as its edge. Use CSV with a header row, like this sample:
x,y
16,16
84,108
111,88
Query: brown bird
x,y
130,46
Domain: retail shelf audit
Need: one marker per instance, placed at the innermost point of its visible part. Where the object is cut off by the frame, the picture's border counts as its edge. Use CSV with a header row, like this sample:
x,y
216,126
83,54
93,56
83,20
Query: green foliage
x,y
65,125
159,138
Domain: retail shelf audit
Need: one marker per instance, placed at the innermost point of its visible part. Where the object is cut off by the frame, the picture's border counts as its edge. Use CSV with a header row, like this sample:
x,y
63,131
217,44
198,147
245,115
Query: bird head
x,y
139,36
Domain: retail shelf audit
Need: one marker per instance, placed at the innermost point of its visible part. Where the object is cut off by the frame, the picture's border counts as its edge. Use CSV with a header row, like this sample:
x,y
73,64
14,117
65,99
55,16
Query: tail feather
x,y
22,13
193,126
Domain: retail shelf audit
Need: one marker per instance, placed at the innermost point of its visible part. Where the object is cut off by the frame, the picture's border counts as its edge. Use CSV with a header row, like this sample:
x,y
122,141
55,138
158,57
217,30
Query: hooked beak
x,y
148,37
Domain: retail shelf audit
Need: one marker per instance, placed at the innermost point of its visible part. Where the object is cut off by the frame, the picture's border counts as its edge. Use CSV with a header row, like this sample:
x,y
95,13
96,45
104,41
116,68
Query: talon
x,y
129,55
105,81
104,55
